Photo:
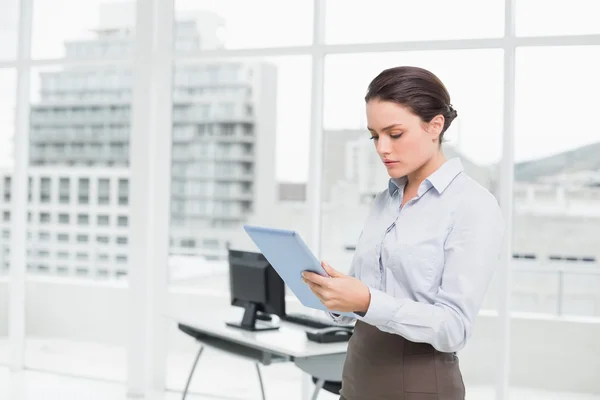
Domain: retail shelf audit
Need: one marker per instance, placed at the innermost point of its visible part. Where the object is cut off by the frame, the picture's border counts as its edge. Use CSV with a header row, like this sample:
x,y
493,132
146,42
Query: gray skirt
x,y
382,366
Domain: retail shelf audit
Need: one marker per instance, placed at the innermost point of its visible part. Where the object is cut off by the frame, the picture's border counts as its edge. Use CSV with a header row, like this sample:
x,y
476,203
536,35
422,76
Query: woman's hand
x,y
338,292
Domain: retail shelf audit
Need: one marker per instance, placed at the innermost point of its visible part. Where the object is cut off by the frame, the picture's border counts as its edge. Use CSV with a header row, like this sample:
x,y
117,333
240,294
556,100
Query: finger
x,y
330,271
315,278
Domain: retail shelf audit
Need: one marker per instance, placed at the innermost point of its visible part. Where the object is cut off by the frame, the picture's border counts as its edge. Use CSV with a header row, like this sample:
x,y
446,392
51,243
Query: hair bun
x,y
452,112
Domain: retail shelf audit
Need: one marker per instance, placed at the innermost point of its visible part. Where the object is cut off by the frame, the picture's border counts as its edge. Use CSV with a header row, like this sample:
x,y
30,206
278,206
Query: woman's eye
x,y
396,136
374,137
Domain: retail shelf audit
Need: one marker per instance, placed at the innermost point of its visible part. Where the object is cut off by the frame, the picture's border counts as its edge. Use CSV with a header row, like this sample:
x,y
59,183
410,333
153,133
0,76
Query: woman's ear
x,y
435,127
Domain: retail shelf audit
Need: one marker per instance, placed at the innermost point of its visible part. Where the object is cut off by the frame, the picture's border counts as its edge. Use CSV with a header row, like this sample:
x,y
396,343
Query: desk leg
x,y
319,386
187,385
262,387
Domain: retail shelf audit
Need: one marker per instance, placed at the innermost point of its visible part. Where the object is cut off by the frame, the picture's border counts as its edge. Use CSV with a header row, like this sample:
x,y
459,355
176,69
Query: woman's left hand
x,y
338,291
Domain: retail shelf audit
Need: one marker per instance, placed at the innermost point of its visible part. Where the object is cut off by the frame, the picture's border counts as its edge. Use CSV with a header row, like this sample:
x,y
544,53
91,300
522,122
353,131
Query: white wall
x,y
549,353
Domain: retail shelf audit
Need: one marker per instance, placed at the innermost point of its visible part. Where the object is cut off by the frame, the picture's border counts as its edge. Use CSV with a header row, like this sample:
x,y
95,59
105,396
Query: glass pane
x,y
236,24
354,174
90,29
356,21
7,128
556,272
9,18
79,153
561,17
557,184
240,155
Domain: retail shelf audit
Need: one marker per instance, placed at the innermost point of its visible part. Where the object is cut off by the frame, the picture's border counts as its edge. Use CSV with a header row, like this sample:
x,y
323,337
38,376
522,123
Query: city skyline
x,y
478,100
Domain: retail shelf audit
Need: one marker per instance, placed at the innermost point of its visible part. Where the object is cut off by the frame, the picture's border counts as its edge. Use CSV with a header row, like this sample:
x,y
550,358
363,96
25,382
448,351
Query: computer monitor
x,y
255,286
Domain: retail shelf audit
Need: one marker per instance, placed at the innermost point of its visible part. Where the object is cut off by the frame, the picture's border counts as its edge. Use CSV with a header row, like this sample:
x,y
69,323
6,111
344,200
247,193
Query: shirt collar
x,y
440,179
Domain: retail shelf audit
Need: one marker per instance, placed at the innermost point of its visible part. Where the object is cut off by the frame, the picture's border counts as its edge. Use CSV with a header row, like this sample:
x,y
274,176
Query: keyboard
x,y
310,321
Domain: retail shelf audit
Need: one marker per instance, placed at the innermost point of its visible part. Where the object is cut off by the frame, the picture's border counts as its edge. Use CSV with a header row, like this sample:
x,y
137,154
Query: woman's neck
x,y
419,175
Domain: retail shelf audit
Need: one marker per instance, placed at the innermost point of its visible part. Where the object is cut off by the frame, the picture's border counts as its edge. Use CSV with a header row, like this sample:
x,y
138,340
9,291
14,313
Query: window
x,y
356,21
545,219
81,256
6,216
121,259
83,219
84,191
44,218
121,240
103,191
44,236
82,238
122,220
123,192
63,218
45,188
7,189
64,191
102,239
577,17
240,19
103,220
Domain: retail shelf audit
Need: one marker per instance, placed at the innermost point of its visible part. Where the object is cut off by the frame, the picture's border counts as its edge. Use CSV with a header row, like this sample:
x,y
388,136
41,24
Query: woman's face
x,y
401,139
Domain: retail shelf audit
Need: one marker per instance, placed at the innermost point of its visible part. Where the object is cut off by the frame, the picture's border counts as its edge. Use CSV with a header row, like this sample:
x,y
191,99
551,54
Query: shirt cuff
x,y
381,308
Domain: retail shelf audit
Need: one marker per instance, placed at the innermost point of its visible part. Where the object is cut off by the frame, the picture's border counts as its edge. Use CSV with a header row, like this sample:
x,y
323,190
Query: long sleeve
x,y
471,250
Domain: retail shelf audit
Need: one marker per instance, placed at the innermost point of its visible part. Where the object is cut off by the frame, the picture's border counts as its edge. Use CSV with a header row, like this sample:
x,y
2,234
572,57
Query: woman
x,y
426,254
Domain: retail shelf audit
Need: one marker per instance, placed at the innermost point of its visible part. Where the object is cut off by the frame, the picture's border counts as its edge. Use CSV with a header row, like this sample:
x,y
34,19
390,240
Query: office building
x,y
223,130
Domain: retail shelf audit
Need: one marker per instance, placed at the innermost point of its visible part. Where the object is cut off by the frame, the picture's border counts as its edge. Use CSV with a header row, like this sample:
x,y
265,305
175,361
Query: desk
x,y
287,344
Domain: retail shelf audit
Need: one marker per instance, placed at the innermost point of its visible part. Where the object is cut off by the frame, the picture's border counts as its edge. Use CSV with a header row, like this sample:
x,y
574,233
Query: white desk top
x,y
289,339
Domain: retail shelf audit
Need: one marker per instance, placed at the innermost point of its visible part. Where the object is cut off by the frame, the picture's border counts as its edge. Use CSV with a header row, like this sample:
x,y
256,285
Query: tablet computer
x,y
290,256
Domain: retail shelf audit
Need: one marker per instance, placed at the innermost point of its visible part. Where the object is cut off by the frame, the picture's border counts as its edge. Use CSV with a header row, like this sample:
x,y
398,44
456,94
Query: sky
x,y
555,86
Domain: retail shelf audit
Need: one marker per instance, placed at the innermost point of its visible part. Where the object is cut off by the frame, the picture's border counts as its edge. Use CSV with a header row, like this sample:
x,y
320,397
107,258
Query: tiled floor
x,y
56,369
32,385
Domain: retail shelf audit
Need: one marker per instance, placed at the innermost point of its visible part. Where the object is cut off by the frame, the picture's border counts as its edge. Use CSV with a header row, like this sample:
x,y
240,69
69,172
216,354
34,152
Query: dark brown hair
x,y
416,88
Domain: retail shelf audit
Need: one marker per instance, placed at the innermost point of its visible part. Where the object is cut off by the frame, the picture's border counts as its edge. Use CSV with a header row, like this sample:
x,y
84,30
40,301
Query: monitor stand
x,y
251,321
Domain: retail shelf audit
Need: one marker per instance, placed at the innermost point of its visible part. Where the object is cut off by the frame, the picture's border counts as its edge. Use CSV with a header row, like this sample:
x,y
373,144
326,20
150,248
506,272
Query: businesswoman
x,y
425,257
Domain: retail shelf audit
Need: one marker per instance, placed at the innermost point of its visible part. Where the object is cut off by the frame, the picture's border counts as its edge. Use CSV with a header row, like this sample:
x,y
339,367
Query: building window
x,y
63,237
43,268
123,192
62,270
123,220
84,191
81,271
102,273
103,220
44,218
103,191
6,216
121,259
102,239
44,236
7,189
63,218
45,190
121,240
81,256
6,234
102,257
62,255
82,238
64,191
83,219
188,243
30,189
